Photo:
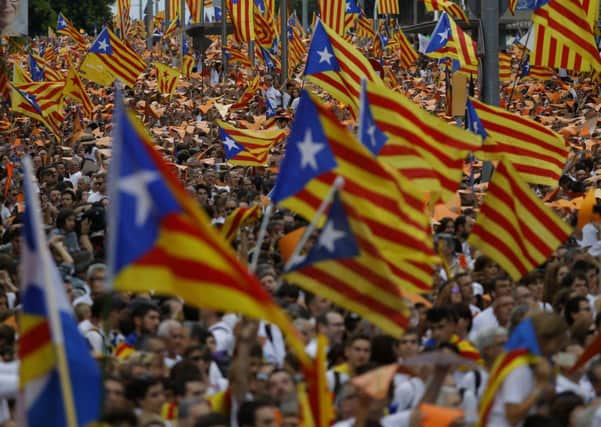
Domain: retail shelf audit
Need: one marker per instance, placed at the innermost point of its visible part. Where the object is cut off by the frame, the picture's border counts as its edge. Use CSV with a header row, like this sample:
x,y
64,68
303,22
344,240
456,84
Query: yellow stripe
x,y
37,364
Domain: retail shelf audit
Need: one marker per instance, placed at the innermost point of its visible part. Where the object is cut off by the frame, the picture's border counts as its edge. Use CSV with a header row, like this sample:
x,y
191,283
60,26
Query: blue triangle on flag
x,y
369,134
308,152
37,73
351,7
473,121
102,44
440,35
321,56
231,147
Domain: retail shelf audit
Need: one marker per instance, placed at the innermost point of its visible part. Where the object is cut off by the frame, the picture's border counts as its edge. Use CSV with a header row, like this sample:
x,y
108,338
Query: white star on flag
x,y
136,185
329,236
103,45
230,144
325,56
308,150
444,35
371,131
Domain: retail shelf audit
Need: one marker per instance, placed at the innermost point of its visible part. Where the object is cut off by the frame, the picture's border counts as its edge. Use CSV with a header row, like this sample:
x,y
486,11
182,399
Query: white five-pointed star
x,y
103,45
230,144
136,185
329,236
61,22
325,56
371,132
475,126
30,98
444,35
348,6
308,150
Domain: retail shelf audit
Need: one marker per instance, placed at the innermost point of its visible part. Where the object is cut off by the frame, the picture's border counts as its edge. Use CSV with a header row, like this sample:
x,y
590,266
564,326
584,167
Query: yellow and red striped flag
x,y
50,74
514,227
332,13
248,147
442,145
567,22
448,6
365,27
265,32
174,9
109,58
505,67
239,218
26,105
449,40
46,96
234,55
187,66
340,76
407,54
171,29
75,89
242,14
537,73
123,18
166,78
248,95
66,28
296,47
388,7
536,152
194,6
321,413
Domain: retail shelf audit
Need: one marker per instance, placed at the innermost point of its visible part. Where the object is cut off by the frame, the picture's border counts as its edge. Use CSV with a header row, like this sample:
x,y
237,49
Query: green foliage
x,y
41,16
85,14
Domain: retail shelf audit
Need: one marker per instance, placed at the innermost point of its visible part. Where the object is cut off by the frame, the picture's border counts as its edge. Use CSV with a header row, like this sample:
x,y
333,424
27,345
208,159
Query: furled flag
x,y
537,153
296,47
195,7
514,227
66,28
345,267
247,147
123,11
563,36
109,58
388,7
239,218
174,9
318,148
332,13
442,145
351,14
60,382
448,6
171,29
242,14
46,96
75,90
337,66
166,78
187,66
162,240
318,395
449,40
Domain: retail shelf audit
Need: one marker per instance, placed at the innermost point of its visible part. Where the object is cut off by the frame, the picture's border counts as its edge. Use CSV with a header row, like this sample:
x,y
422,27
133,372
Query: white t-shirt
x,y
486,319
224,338
408,391
516,387
274,348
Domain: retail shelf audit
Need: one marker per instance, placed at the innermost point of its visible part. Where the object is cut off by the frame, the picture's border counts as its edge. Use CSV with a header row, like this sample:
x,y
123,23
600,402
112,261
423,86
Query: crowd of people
x,y
167,363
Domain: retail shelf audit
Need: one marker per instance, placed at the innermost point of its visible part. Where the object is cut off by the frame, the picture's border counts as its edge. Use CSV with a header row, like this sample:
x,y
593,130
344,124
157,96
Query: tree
x,y
86,14
41,16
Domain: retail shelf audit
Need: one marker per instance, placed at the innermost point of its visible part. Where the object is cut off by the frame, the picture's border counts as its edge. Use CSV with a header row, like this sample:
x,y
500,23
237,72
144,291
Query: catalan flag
x,y
246,147
37,72
4,82
407,54
265,31
536,152
317,392
123,10
505,67
318,149
47,96
75,90
449,40
59,382
48,72
194,6
242,14
108,55
250,92
537,73
296,47
388,7
166,78
271,61
26,104
448,6
234,55
162,240
171,29
337,66
187,66
345,267
239,218
351,14
365,27
514,227
564,23
174,9
442,145
66,28
20,75
332,13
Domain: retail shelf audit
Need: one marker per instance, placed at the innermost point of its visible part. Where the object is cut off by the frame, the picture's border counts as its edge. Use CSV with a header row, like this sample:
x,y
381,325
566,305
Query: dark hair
x,y
562,406
356,337
572,306
438,314
213,419
248,410
183,372
120,417
462,311
62,217
569,278
137,388
141,307
383,350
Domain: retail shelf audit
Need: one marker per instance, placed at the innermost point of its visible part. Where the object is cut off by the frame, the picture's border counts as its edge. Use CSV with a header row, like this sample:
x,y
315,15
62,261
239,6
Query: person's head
x,y
172,332
490,342
535,283
114,394
269,282
146,393
96,278
9,10
501,286
316,304
280,385
594,375
550,331
67,199
563,405
188,381
357,351
522,295
213,419
145,317
331,324
408,344
502,307
443,323
119,418
464,281
577,309
189,411
65,220
576,282
258,413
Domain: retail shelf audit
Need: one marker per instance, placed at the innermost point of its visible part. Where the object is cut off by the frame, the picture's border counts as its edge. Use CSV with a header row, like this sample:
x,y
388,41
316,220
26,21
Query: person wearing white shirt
x,y
272,94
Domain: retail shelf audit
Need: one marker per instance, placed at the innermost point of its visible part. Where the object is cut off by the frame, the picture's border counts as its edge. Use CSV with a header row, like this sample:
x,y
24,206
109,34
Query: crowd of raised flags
x,y
193,246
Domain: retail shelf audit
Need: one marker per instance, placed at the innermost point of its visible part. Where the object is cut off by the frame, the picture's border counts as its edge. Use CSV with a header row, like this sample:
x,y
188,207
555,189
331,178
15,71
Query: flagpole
x,y
336,186
260,238
518,74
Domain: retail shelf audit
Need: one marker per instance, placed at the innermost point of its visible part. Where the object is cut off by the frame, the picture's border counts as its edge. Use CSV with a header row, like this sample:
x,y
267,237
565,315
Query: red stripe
x,y
493,240
34,339
527,154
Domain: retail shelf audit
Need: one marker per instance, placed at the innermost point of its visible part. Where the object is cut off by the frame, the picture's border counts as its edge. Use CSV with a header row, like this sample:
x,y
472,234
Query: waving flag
x,y
332,13
250,92
239,218
171,29
194,6
187,66
337,66
345,267
162,240
66,28
448,6
318,149
537,73
166,78
46,96
449,40
75,90
388,7
317,394
296,47
242,13
514,227
174,8
246,147
351,14
265,31
407,54
37,73
26,104
108,55
369,134
60,382
47,71
536,152
505,67
235,56
123,10
365,27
